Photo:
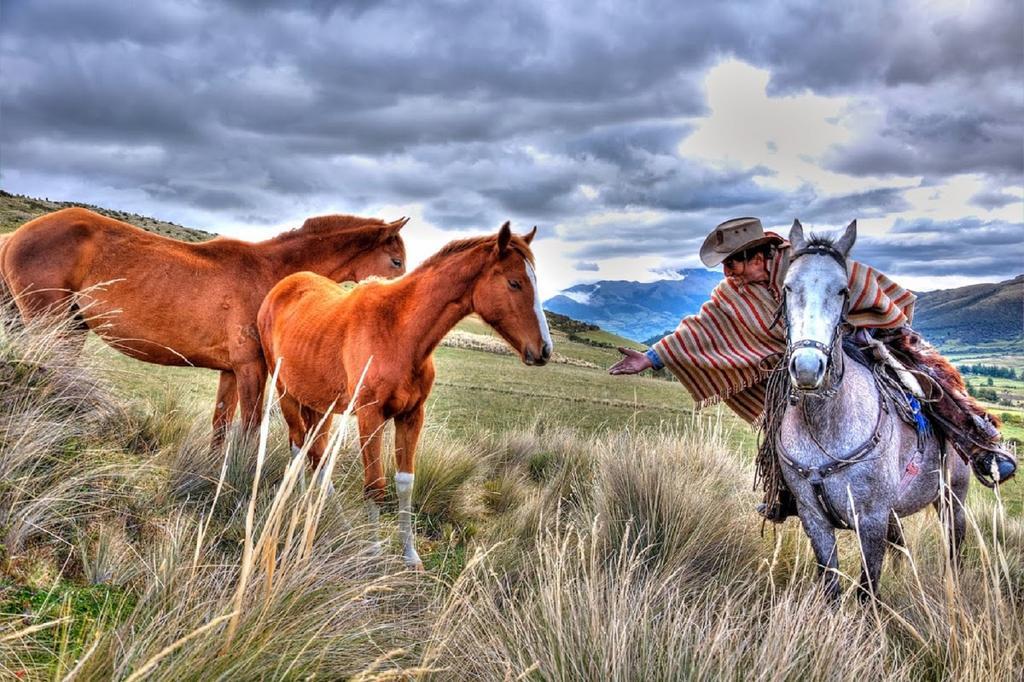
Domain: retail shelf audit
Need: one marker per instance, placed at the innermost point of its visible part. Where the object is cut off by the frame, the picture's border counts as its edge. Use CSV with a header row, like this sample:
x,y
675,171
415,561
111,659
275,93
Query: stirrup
x,y
993,467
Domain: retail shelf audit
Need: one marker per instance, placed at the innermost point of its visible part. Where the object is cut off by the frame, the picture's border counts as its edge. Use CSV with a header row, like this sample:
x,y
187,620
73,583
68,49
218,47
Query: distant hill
x,y
637,310
971,315
17,209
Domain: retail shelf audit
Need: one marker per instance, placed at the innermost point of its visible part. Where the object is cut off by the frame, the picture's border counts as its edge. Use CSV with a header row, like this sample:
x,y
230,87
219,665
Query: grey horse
x,y
848,458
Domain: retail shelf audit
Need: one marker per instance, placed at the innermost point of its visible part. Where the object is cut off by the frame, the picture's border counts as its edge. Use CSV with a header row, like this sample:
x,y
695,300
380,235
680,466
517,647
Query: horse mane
x,y
459,245
332,225
338,222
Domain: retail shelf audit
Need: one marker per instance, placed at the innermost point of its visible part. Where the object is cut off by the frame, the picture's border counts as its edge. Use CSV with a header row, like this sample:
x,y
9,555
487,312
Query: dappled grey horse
x,y
846,455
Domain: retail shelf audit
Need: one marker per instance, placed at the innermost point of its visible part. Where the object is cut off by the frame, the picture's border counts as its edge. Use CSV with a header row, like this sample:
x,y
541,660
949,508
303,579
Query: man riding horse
x,y
725,351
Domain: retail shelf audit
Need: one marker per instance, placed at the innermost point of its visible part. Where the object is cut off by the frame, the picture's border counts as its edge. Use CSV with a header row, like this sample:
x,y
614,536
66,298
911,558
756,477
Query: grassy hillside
x,y
17,209
974,316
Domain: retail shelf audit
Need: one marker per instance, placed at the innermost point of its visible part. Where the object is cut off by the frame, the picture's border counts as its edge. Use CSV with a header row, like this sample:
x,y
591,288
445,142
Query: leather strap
x,y
820,250
816,475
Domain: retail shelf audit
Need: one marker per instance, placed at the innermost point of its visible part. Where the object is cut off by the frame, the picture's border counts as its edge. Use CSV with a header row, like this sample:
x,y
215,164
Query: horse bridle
x,y
816,476
827,349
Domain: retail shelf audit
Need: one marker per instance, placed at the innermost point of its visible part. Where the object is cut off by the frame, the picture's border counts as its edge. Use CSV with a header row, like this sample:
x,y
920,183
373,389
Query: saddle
x,y
956,416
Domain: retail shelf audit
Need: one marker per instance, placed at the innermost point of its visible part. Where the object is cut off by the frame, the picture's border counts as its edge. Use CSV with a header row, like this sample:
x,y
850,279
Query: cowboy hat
x,y
737,234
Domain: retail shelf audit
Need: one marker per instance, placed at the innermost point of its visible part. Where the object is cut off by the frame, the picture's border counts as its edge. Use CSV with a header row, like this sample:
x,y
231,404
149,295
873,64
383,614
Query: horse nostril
x,y
546,351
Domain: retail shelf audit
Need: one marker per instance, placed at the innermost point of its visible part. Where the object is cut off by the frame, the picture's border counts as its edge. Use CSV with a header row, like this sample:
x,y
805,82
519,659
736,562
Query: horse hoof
x,y
413,561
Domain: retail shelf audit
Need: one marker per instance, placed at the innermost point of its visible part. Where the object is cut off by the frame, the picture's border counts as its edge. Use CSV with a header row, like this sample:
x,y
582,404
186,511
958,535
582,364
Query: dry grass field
x,y
574,527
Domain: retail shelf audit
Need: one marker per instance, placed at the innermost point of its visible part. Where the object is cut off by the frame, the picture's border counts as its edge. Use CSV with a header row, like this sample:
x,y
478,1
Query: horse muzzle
x,y
807,369
537,359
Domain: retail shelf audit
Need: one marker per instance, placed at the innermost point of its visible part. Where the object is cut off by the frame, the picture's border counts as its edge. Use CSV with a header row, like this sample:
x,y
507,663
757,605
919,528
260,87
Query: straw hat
x,y
737,234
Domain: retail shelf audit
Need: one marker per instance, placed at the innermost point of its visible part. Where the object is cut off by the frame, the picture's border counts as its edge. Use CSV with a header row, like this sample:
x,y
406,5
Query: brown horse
x,y
175,303
325,339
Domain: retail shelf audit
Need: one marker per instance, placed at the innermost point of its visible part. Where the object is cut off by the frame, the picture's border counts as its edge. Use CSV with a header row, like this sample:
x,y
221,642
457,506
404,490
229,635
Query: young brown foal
x,y
174,303
325,338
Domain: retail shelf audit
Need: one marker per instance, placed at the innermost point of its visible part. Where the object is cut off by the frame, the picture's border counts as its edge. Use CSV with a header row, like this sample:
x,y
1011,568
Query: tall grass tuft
x,y
60,469
657,571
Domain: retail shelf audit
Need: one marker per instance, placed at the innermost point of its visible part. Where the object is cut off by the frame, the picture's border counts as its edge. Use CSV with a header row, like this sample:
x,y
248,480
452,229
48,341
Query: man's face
x,y
743,272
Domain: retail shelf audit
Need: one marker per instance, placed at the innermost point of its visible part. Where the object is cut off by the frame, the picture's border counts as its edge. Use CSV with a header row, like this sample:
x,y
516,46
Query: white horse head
x,y
816,296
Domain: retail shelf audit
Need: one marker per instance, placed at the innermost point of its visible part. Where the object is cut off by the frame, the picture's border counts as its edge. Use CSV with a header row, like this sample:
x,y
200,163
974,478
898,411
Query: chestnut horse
x,y
325,339
174,303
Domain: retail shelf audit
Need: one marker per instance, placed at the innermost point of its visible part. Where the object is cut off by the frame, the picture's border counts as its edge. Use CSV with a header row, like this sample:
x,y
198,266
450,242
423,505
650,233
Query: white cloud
x,y
951,200
581,297
788,135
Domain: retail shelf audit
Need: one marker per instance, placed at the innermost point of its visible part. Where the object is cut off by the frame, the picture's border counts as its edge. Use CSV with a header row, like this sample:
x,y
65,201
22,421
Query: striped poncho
x,y
717,354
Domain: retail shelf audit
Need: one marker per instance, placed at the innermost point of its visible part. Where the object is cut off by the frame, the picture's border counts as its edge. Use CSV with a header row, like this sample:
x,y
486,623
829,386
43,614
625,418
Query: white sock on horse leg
x,y
404,484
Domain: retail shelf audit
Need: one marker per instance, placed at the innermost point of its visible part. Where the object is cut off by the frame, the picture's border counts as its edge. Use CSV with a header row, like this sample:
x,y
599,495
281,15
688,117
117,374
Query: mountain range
x,y
637,310
646,311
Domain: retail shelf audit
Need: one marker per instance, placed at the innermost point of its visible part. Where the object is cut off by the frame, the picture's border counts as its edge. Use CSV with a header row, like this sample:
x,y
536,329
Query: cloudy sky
x,y
625,131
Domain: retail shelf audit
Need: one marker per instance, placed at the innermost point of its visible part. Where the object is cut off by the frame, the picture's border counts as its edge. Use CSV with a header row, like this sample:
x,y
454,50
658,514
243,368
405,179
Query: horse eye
x,y
514,284
397,262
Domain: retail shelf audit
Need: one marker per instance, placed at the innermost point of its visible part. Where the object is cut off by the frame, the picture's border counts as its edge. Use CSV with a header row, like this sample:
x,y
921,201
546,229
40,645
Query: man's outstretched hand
x,y
634,362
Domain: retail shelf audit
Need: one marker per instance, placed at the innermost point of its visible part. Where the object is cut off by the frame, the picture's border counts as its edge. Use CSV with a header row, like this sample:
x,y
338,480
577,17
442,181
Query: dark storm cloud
x,y
870,204
949,80
975,137
84,23
675,238
970,247
226,94
833,47
480,112
628,146
991,199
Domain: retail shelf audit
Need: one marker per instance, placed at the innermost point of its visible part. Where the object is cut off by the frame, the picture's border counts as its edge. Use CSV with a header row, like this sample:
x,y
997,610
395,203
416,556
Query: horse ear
x,y
504,237
528,238
392,229
796,235
845,243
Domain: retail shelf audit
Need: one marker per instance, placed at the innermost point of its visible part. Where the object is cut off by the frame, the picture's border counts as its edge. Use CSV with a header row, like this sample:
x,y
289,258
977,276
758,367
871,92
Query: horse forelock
x,y
820,240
